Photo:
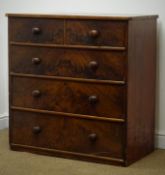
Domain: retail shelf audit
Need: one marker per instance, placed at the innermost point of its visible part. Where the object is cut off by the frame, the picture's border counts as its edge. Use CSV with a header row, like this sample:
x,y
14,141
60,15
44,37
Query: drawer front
x,y
71,97
69,134
90,32
69,62
36,30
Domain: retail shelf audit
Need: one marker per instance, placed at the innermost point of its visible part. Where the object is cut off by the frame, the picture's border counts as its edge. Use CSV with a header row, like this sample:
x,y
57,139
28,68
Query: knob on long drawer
x,y
36,60
93,33
92,137
36,129
36,93
93,99
93,65
36,30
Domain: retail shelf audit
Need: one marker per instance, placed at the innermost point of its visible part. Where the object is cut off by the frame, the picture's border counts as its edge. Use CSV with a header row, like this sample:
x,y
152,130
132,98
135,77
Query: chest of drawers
x,y
83,87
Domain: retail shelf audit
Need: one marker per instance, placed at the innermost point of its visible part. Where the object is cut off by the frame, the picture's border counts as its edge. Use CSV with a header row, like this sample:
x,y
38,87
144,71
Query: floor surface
x,y
20,163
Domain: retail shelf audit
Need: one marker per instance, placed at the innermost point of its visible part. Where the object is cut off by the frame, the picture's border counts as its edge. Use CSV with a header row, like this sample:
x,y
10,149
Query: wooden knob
x,y
36,30
36,60
36,93
92,137
93,65
36,129
94,33
93,99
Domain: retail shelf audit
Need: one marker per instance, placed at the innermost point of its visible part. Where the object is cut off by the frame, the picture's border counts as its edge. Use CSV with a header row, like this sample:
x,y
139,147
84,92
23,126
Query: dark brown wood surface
x,y
69,46
103,65
51,30
112,33
104,17
141,89
68,134
71,97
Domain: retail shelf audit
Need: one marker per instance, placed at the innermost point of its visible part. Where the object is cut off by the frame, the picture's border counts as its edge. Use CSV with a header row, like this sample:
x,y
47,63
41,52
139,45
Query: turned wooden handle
x,y
93,33
93,65
36,93
36,60
93,99
36,30
92,137
36,129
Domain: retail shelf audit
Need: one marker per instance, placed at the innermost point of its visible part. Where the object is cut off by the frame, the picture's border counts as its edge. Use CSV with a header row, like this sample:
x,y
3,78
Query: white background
x,y
86,6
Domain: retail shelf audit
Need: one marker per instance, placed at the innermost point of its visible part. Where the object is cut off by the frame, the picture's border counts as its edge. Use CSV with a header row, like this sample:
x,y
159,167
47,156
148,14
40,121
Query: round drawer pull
x,y
36,30
93,99
36,129
93,33
92,137
36,60
93,65
36,93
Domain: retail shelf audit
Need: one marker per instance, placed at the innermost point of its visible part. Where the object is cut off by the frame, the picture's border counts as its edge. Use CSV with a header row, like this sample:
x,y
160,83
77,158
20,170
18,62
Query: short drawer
x,y
36,30
92,64
99,138
94,99
99,33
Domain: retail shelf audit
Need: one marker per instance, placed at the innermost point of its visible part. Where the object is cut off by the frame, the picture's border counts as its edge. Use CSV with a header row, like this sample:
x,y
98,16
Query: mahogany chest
x,y
82,87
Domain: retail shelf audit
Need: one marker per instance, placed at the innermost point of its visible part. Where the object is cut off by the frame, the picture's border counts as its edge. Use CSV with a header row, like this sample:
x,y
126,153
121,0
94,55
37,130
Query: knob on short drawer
x,y
36,30
93,99
93,65
93,33
36,60
92,137
36,93
36,129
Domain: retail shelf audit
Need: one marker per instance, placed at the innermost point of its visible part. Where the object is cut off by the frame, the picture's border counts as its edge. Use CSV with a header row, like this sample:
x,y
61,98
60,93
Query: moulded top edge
x,y
82,16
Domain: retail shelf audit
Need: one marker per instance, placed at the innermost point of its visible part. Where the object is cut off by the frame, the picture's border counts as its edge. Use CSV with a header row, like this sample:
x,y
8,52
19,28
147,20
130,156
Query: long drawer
x,y
99,138
92,64
102,100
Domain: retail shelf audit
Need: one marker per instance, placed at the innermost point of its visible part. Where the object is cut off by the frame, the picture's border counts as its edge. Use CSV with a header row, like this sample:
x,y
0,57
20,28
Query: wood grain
x,y
141,89
52,30
71,97
68,134
69,62
40,111
104,17
112,33
12,74
68,46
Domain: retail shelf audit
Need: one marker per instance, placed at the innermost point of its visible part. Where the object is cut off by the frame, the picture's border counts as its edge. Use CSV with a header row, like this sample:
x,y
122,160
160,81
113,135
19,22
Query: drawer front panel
x,y
68,134
69,62
90,32
36,30
71,97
